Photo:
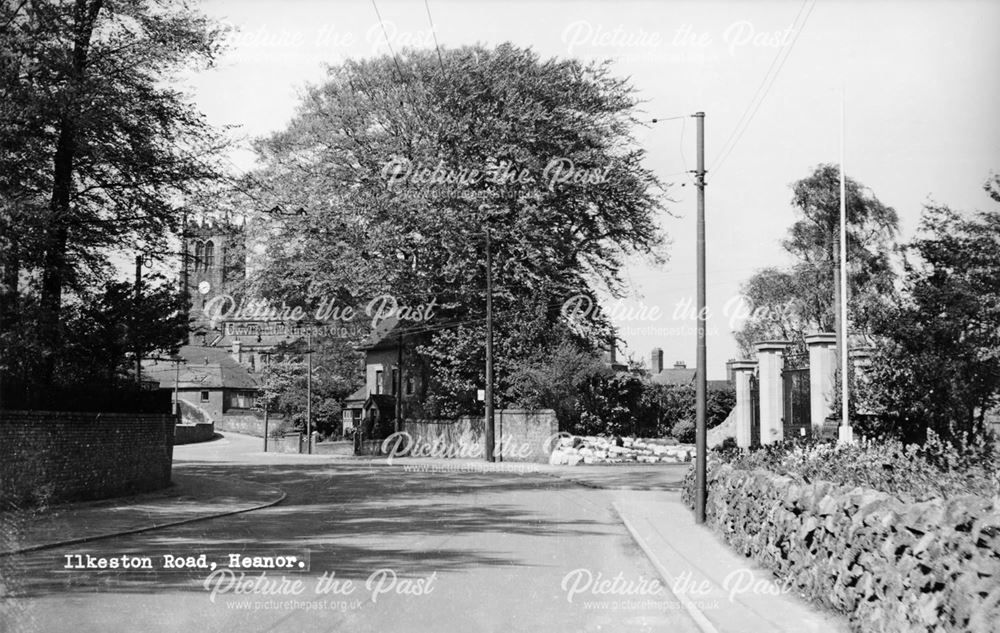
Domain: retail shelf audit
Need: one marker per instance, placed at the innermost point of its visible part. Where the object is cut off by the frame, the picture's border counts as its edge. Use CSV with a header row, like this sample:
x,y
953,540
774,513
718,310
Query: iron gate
x,y
797,413
754,411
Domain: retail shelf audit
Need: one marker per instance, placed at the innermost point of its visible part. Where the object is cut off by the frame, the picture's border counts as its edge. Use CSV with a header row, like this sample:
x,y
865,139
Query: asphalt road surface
x,y
382,548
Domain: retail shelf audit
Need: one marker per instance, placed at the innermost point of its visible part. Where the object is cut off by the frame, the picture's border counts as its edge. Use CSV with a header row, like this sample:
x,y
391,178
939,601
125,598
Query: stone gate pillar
x,y
772,400
822,378
743,370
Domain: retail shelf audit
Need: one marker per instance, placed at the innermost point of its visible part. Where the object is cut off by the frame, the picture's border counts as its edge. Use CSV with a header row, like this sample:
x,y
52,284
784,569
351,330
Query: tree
x,y
938,362
789,303
400,166
104,141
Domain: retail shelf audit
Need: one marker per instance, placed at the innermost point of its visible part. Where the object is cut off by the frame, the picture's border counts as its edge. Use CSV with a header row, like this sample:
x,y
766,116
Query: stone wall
x,y
522,435
888,565
244,423
64,456
290,443
193,433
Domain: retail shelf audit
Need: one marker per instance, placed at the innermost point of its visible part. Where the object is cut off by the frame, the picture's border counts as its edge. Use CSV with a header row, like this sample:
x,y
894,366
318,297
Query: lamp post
x,y
267,367
136,344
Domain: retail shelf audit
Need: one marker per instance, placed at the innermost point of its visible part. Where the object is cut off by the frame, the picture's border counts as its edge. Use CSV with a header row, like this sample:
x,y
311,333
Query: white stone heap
x,y
570,451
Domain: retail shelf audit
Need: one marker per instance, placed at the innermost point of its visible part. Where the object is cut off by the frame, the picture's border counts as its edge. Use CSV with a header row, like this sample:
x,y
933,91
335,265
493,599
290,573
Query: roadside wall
x,y
522,435
65,456
193,433
887,564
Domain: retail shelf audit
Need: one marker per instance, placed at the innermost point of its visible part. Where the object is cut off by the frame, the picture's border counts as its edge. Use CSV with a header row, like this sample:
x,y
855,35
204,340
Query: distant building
x,y
679,374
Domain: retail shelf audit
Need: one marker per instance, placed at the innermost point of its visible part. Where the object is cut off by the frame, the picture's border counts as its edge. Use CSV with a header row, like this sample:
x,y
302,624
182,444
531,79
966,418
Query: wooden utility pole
x,y
135,321
399,383
490,438
701,380
309,389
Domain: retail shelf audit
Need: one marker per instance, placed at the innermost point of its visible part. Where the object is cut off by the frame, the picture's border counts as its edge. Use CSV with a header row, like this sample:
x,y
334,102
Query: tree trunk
x,y
57,235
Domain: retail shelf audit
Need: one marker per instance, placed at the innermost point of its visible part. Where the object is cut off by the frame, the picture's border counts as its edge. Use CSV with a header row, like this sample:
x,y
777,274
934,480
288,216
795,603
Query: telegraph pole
x,y
309,389
135,321
490,438
701,380
399,384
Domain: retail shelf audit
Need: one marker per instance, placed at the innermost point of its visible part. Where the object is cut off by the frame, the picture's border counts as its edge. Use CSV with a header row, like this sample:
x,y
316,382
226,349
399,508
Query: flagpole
x,y
846,434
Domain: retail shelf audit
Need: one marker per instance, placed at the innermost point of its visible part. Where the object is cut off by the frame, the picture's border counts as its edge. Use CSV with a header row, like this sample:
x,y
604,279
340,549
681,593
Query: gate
x,y
797,413
754,411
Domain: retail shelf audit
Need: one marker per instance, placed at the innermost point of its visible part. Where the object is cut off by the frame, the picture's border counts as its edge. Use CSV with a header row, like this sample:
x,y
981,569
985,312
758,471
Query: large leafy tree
x,y
938,361
98,143
393,169
788,303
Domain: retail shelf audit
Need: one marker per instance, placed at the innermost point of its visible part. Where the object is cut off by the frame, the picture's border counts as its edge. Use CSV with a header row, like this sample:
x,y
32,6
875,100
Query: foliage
x,y
938,363
937,468
788,303
336,374
358,160
673,409
102,330
105,144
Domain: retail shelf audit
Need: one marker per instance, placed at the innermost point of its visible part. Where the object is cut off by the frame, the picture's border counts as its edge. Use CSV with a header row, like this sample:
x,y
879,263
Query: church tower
x,y
214,264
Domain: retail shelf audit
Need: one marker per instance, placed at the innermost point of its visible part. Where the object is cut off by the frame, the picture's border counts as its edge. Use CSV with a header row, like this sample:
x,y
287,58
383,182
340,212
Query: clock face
x,y
204,287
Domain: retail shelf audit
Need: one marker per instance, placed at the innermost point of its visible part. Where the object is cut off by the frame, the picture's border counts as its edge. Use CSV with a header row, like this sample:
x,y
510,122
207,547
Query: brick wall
x,y
65,456
521,434
193,433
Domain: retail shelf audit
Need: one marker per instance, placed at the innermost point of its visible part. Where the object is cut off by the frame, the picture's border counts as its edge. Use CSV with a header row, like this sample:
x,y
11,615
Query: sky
x,y
919,82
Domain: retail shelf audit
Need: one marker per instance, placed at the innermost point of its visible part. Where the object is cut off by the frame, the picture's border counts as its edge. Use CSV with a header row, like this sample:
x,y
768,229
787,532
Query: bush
x,y
683,430
934,469
888,564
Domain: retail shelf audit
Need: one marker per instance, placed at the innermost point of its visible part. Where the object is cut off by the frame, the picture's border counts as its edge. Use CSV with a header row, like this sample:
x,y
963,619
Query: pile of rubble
x,y
575,449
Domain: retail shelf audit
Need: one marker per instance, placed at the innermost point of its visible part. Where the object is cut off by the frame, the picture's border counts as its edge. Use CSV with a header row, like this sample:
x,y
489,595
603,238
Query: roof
x,y
383,401
384,336
358,396
203,368
675,376
685,376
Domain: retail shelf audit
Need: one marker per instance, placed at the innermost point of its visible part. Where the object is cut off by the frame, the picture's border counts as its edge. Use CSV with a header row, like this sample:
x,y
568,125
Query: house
x,y
388,349
680,374
209,379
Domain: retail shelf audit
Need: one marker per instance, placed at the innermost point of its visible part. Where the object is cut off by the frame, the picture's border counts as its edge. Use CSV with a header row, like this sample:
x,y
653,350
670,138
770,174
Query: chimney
x,y
680,365
656,361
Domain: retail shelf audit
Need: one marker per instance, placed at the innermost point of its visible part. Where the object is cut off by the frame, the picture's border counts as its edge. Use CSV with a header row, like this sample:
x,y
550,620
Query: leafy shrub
x,y
918,472
683,430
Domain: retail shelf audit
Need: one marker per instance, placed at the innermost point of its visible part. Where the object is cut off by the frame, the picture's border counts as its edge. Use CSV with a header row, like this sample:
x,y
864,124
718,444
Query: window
x,y
204,396
199,254
409,385
242,400
378,381
395,380
209,254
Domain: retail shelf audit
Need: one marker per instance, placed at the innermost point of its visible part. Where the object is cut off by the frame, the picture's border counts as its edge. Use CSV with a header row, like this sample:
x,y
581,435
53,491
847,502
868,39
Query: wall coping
x,y
743,365
772,346
821,338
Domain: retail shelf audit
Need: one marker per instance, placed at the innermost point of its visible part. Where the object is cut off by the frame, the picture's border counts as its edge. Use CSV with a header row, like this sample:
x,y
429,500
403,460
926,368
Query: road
x,y
406,551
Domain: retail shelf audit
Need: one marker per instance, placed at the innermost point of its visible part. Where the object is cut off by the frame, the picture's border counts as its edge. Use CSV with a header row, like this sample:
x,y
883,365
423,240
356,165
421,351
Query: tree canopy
x,y
98,144
788,303
399,166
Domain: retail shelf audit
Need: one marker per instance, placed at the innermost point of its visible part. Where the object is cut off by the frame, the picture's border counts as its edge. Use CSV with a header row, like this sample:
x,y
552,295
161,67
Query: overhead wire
x,y
761,95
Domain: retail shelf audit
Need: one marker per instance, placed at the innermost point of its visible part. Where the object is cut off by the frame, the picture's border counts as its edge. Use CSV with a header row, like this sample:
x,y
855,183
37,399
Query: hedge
x,y
887,564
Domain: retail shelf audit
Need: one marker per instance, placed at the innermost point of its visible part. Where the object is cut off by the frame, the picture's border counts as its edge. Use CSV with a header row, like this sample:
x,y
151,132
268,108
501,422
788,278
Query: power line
x,y
385,34
769,79
434,35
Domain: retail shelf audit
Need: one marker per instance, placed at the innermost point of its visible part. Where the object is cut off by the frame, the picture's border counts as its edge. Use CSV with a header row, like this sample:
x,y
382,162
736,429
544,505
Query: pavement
x,y
189,498
511,549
